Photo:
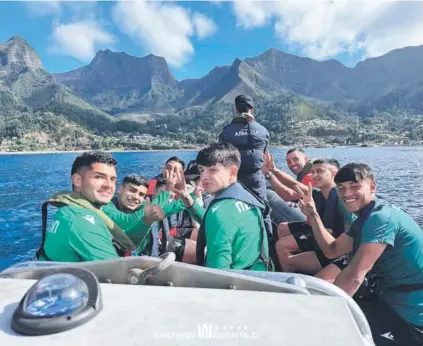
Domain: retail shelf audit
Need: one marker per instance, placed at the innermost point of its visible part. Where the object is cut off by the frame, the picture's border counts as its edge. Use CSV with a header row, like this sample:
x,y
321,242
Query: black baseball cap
x,y
244,100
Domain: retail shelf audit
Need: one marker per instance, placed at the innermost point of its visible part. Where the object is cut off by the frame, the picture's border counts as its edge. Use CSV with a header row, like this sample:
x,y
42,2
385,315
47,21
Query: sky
x,y
194,37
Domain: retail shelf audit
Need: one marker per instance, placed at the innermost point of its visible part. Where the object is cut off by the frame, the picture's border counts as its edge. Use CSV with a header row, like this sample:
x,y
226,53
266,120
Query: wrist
x,y
314,214
268,175
188,201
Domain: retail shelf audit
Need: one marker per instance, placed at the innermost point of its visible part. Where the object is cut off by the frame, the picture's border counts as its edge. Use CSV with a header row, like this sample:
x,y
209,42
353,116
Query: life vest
x,y
122,243
235,191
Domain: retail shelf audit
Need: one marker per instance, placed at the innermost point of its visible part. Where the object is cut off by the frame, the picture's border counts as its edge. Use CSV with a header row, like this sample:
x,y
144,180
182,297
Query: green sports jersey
x,y
399,270
234,236
133,225
77,234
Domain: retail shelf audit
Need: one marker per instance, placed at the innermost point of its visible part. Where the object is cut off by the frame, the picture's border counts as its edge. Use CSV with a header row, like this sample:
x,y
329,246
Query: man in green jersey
x,y
232,229
80,230
131,193
384,241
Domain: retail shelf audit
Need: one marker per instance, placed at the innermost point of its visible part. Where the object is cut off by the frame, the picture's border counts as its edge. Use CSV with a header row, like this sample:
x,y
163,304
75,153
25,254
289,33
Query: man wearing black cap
x,y
252,140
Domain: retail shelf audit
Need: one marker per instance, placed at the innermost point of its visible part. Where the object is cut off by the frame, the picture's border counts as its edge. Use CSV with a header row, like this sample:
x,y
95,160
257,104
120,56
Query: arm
x,y
289,181
219,235
353,275
283,191
377,233
91,242
295,190
135,225
186,202
331,247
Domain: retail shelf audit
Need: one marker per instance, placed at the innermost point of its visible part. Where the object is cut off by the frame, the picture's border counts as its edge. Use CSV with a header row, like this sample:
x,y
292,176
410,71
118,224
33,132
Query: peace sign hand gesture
x,y
176,182
307,205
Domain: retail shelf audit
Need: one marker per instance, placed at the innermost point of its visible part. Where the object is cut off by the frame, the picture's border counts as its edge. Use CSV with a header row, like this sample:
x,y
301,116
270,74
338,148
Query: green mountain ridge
x,y
129,102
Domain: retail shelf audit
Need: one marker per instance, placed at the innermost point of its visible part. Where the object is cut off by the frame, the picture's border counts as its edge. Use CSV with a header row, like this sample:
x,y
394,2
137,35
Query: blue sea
x,y
27,180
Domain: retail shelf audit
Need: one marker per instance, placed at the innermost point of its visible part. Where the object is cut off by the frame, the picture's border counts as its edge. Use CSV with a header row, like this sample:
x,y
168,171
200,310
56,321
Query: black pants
x,y
387,327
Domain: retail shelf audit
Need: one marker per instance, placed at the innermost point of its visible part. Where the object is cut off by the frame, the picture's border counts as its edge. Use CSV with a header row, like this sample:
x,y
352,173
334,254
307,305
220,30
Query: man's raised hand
x,y
269,161
176,182
306,204
152,213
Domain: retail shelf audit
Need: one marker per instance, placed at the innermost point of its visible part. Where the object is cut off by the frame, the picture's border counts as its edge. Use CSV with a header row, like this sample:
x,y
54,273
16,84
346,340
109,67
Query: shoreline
x,y
82,151
38,152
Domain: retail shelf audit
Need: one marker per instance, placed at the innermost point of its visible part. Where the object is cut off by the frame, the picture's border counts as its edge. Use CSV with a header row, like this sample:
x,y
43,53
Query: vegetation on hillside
x,y
289,119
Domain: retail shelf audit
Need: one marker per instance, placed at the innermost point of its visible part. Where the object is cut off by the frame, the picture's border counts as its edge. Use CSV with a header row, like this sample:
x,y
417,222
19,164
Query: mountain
x,y
392,76
25,85
120,96
118,82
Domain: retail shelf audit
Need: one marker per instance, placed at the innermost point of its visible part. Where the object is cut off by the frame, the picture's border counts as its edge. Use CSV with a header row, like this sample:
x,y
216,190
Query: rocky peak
x,y
16,54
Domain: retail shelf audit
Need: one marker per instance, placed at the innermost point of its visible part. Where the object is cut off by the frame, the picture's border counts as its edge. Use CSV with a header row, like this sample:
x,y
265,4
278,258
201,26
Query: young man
x,y
282,194
80,230
172,163
232,229
384,241
299,164
164,235
131,193
298,236
252,140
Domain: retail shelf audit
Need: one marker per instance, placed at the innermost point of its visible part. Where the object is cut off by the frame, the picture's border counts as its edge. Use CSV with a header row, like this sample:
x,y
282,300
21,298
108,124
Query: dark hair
x,y
176,159
243,108
331,162
85,160
243,103
224,153
160,181
137,180
354,172
293,150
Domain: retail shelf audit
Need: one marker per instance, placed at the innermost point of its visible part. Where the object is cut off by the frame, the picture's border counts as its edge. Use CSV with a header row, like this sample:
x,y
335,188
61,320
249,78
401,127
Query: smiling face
x,y
217,177
323,175
355,195
131,196
171,166
97,183
296,161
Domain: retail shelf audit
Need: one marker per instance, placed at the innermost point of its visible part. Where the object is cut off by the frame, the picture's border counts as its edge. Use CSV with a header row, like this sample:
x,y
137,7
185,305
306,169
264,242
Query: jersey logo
x,y
245,133
241,206
388,336
54,226
215,208
90,219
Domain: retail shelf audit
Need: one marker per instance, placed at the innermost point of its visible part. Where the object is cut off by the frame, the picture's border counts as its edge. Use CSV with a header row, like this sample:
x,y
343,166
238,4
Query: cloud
x,y
44,8
204,26
325,29
80,39
164,29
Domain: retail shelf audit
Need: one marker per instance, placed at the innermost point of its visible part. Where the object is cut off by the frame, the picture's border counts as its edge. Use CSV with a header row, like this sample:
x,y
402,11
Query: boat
x,y
157,301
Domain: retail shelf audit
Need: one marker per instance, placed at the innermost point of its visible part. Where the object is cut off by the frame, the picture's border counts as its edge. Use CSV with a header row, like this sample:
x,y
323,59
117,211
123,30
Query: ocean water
x,y
26,181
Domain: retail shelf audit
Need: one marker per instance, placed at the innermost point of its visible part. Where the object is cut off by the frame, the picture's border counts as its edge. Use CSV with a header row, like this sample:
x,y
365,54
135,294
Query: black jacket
x,y
251,139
